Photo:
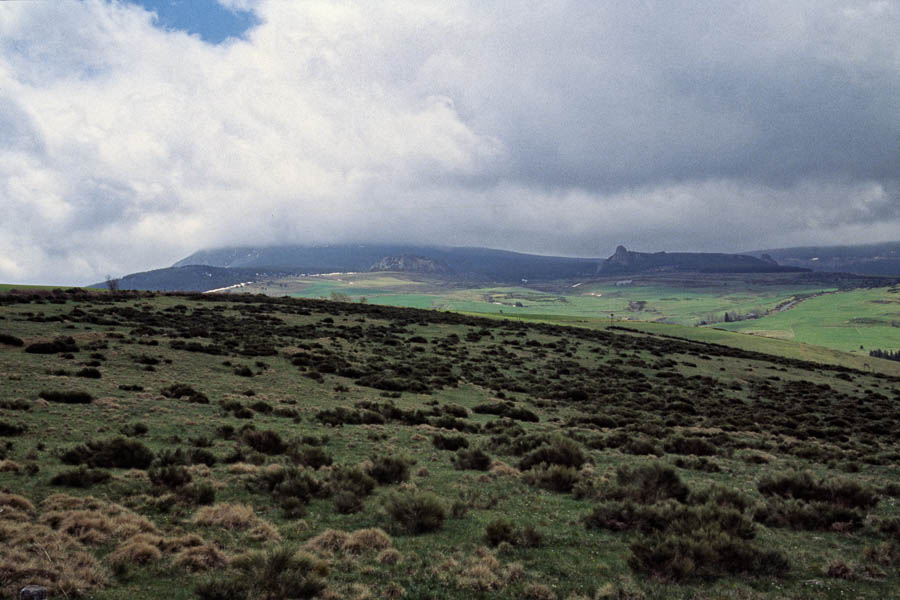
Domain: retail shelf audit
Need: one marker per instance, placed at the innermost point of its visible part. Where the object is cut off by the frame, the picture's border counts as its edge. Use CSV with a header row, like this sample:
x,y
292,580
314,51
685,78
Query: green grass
x,y
645,386
853,321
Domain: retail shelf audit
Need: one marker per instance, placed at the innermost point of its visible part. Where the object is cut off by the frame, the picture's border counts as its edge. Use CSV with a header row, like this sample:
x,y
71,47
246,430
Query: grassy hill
x,y
192,446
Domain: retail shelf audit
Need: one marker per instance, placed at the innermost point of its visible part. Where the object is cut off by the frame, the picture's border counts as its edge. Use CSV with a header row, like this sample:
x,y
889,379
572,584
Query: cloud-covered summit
x,y
564,127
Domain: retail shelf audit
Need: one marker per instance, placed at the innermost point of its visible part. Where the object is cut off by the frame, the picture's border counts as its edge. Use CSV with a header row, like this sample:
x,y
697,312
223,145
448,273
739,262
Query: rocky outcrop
x,y
409,263
627,261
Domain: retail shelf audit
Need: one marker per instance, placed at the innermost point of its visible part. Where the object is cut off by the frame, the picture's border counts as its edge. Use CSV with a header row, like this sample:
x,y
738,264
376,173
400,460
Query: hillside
x,y
869,259
187,446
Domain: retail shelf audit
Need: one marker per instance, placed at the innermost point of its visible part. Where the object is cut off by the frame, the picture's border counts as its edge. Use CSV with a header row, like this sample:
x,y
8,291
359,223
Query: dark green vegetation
x,y
254,447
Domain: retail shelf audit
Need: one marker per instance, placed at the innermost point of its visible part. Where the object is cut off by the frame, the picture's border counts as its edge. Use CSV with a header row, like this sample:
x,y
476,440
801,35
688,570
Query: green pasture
x,y
854,321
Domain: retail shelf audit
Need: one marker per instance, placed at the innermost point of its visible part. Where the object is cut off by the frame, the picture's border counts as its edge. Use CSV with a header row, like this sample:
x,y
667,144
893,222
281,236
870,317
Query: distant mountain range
x,y
869,259
223,267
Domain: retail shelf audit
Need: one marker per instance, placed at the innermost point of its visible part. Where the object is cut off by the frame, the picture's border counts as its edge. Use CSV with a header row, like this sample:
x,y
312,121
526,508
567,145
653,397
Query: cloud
x,y
566,127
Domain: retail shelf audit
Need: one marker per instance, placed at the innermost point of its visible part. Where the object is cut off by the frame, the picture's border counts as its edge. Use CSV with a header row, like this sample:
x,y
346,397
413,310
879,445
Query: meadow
x,y
854,321
233,446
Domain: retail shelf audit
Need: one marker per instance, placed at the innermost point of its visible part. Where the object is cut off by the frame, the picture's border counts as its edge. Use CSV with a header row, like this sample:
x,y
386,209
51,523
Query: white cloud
x,y
566,127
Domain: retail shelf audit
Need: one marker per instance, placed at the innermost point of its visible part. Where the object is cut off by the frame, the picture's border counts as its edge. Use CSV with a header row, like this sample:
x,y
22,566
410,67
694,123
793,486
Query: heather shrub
x,y
388,469
802,486
449,442
689,445
266,441
553,478
559,451
279,574
475,460
80,478
310,456
117,453
416,512
66,397
647,484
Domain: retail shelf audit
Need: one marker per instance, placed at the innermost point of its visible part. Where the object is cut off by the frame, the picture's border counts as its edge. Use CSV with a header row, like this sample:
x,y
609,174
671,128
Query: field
x,y
855,321
226,446
664,298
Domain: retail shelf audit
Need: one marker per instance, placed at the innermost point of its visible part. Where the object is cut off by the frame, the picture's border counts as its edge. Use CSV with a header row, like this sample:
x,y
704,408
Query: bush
x,y
89,373
705,553
66,397
310,456
11,340
266,441
449,442
647,484
134,429
180,391
475,460
389,469
80,478
553,478
279,574
499,531
810,516
59,345
170,476
347,502
416,512
11,429
689,445
559,451
117,453
802,486
351,479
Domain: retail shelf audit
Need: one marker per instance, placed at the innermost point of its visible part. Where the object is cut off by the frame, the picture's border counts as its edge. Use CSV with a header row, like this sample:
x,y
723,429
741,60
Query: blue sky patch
x,y
210,20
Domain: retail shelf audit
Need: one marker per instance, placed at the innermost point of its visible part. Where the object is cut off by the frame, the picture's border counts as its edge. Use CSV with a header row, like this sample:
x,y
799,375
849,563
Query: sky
x,y
135,133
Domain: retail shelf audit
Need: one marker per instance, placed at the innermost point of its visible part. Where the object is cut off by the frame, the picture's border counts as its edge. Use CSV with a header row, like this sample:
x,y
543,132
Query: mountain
x,y
409,263
191,278
479,264
868,259
625,261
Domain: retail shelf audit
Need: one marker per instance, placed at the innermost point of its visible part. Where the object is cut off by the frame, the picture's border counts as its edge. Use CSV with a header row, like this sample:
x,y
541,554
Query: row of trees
x,y
888,354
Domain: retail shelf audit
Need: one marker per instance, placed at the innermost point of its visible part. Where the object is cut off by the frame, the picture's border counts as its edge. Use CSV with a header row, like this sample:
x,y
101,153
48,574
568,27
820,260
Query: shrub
x,y
80,478
11,429
88,372
351,479
11,340
802,486
647,484
180,391
641,447
559,451
689,445
811,516
553,478
59,345
347,502
449,442
704,553
117,453
134,429
475,460
388,469
498,531
416,512
282,573
203,493
266,441
170,476
66,397
310,456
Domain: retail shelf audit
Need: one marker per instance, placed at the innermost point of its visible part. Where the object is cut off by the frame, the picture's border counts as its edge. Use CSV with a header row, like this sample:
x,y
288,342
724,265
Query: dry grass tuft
x,y
482,571
538,591
329,541
367,540
501,469
36,554
176,544
243,469
8,466
394,591
201,558
107,523
391,556
237,517
134,552
17,502
229,516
